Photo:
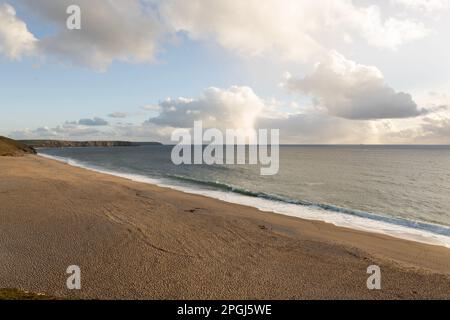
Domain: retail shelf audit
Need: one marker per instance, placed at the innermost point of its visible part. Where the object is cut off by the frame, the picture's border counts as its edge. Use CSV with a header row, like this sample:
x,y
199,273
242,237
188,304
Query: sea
x,y
402,191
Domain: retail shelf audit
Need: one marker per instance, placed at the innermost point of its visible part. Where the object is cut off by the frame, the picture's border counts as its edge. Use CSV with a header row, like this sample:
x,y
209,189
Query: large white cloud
x,y
233,108
15,39
110,30
292,29
354,91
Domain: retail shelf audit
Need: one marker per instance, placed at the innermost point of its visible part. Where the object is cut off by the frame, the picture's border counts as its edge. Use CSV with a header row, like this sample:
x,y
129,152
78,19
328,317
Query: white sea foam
x,y
293,210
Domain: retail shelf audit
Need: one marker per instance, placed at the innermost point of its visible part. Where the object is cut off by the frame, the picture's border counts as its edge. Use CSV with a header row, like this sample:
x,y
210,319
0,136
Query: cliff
x,y
71,144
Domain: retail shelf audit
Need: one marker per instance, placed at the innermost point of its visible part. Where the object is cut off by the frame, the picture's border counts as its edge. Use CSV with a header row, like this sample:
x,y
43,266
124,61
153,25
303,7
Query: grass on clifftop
x,y
15,294
9,147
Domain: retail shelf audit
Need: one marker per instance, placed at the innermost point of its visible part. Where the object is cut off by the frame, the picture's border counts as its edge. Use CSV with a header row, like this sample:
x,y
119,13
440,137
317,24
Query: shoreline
x,y
339,219
136,240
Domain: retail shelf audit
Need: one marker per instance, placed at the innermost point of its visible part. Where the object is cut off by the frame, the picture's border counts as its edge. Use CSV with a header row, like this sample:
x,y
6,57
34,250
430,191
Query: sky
x,y
323,71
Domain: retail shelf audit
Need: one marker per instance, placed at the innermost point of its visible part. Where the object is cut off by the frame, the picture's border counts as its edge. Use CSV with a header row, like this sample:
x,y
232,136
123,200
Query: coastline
x,y
137,240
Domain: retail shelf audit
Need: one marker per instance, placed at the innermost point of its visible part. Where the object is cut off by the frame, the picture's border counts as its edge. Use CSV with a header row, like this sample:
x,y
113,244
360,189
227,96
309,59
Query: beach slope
x,y
134,240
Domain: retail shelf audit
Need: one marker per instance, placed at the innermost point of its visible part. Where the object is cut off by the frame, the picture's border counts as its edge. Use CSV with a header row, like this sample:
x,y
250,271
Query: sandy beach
x,y
139,241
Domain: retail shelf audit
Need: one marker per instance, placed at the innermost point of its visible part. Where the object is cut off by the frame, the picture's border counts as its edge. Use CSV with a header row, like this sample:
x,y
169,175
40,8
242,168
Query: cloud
x,y
151,107
437,127
295,30
349,90
132,31
240,108
143,132
74,131
390,33
236,107
424,5
65,131
15,39
118,115
313,128
93,122
428,131
110,30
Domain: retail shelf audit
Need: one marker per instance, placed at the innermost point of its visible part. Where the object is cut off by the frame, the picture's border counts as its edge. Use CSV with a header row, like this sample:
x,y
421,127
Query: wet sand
x,y
134,240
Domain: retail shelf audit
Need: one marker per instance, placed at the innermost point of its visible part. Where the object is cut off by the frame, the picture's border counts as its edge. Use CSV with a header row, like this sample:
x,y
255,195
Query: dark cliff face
x,y
66,144
72,144
13,148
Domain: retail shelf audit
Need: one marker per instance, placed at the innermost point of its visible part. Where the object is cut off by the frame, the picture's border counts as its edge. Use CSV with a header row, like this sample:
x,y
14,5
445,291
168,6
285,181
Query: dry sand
x,y
134,240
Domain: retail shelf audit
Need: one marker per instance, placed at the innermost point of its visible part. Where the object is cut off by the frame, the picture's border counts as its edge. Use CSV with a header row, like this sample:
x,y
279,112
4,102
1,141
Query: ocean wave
x,y
442,230
360,220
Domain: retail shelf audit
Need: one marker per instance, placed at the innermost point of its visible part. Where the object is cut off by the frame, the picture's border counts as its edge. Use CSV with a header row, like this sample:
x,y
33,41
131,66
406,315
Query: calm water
x,y
402,185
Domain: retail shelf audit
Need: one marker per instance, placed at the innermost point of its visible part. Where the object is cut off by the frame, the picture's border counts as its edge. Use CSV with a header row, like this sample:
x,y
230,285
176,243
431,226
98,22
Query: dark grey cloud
x,y
110,30
118,115
93,122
